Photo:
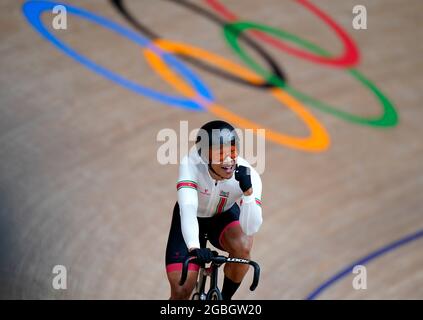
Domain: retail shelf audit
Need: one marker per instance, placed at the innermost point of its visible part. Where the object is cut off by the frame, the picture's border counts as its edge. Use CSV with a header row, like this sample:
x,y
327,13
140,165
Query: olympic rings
x,y
199,96
389,116
318,139
33,10
349,58
119,5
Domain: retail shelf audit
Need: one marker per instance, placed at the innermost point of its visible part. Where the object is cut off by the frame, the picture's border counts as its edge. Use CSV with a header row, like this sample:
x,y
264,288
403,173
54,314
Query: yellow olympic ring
x,y
318,140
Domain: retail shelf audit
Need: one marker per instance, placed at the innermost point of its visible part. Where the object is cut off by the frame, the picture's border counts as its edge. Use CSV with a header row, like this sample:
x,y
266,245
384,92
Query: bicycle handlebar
x,y
221,260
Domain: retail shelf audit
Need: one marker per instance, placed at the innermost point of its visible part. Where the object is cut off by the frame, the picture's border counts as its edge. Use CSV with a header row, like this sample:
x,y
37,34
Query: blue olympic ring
x,y
33,10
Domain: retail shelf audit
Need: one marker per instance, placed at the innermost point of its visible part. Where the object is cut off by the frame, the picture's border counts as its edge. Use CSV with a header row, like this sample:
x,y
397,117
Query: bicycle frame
x,y
200,289
212,272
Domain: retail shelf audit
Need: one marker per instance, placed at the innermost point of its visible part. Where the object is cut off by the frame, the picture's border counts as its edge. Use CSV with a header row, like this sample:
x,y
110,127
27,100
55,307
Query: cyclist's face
x,y
223,160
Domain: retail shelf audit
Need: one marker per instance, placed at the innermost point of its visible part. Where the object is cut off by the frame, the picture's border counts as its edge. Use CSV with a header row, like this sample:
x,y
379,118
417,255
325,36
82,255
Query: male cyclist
x,y
219,197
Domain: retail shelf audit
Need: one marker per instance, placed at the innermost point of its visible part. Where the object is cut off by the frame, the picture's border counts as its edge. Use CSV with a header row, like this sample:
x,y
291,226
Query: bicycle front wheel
x,y
214,294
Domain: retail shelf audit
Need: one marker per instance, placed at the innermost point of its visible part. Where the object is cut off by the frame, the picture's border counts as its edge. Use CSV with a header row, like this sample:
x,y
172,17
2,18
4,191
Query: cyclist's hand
x,y
242,174
203,255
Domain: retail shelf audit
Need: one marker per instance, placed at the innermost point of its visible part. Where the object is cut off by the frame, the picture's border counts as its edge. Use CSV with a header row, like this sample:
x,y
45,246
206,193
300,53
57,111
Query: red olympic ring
x,y
349,58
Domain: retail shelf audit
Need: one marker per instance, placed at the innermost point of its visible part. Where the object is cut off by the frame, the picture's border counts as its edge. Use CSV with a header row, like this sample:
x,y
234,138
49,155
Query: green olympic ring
x,y
232,32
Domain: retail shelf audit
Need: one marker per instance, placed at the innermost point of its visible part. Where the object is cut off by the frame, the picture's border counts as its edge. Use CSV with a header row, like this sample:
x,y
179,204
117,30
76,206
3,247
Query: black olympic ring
x,y
119,5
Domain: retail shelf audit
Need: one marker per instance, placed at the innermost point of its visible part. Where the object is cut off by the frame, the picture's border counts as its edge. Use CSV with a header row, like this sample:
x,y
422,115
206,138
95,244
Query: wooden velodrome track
x,y
81,186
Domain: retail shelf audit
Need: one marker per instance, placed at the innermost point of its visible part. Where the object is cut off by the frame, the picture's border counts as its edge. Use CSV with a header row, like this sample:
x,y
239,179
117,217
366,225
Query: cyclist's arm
x,y
188,203
250,217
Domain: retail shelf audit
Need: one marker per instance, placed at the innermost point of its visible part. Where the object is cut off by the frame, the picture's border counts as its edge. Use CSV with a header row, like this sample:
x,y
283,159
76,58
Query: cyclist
x,y
219,197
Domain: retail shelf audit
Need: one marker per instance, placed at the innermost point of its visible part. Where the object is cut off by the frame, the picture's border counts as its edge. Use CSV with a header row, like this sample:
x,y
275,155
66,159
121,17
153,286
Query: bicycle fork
x,y
200,289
